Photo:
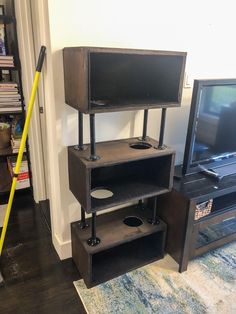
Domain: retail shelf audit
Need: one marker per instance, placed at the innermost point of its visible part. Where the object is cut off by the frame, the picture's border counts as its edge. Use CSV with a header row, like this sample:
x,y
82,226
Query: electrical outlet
x,y
188,81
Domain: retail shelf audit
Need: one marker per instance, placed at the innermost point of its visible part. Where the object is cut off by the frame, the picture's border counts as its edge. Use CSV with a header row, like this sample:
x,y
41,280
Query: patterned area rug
x,y
208,286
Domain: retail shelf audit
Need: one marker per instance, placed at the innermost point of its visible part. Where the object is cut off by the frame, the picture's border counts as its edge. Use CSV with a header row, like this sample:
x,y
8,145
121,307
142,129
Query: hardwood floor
x,y
36,281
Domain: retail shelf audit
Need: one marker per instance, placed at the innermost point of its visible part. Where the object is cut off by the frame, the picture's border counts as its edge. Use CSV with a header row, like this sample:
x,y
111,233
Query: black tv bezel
x,y
197,87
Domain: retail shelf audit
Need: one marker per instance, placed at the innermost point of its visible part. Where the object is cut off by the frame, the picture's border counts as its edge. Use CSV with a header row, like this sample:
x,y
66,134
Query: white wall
x,y
202,28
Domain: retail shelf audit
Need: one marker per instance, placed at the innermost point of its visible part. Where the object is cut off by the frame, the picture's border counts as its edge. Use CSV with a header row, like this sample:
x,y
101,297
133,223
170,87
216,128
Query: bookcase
x,y
119,172
12,108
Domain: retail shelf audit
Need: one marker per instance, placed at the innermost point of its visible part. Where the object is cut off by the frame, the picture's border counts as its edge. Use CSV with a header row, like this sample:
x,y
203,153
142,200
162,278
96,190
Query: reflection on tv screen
x,y
216,123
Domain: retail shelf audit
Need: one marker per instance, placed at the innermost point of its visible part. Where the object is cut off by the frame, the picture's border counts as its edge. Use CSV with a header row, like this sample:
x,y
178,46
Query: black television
x,y
211,137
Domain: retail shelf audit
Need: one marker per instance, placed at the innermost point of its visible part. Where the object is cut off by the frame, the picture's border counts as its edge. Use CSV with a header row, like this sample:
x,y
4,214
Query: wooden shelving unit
x,y
7,19
5,178
112,79
130,174
130,170
122,248
6,152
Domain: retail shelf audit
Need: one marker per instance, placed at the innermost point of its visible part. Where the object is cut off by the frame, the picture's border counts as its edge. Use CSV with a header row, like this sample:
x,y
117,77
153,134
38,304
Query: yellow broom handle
x,y
22,145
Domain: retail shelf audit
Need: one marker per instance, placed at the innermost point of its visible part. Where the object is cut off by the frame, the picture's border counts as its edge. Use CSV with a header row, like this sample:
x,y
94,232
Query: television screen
x,y
211,139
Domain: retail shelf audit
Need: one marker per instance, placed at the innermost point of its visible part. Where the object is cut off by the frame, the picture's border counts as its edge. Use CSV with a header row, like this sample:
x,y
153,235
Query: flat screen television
x,y
211,137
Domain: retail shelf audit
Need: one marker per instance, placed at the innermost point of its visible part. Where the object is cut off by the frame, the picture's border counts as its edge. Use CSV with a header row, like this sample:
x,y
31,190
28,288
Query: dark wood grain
x,y
79,178
177,209
113,221
6,151
129,173
76,77
119,151
5,177
84,90
122,248
36,281
199,186
173,209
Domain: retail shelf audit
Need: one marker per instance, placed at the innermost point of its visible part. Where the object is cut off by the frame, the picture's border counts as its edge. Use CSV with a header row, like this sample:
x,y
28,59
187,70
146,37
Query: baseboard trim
x,y
63,249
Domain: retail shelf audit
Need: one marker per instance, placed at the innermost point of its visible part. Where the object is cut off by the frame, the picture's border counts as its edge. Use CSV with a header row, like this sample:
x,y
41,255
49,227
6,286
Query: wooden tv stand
x,y
187,237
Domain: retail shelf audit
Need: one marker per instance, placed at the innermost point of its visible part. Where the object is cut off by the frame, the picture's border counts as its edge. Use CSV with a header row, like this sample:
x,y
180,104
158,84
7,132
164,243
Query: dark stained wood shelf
x,y
7,152
119,151
6,181
122,248
125,191
102,106
110,79
130,174
197,186
101,80
12,68
7,19
5,178
185,233
112,231
11,113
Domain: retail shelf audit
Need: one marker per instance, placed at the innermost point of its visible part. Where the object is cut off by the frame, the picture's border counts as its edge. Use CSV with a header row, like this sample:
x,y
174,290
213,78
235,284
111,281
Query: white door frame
x,y
28,61
26,47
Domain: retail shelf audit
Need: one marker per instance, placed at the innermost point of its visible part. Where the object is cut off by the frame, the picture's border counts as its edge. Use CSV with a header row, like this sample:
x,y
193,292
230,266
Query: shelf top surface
x,y
7,19
118,151
200,187
126,192
126,50
14,68
112,231
11,112
7,152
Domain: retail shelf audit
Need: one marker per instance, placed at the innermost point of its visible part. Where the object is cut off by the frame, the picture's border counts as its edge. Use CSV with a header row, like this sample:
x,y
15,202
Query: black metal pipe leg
x,y
154,220
141,205
145,120
162,129
80,146
93,156
83,223
93,240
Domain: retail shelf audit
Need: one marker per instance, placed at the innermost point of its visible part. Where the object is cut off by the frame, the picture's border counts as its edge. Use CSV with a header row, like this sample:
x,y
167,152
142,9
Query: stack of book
x,y
15,144
10,99
6,61
23,177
